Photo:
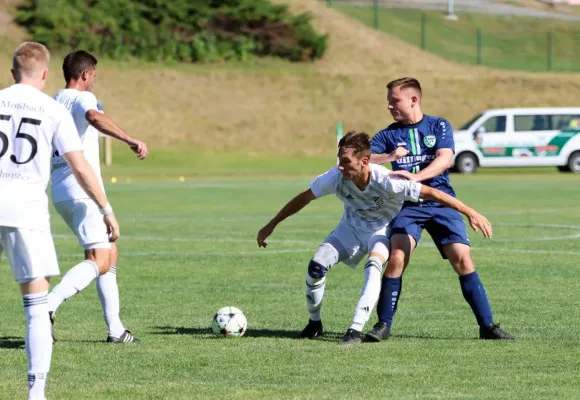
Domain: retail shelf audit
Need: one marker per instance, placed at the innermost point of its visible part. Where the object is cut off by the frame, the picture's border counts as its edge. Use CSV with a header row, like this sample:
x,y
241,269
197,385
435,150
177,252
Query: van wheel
x,y
466,163
574,162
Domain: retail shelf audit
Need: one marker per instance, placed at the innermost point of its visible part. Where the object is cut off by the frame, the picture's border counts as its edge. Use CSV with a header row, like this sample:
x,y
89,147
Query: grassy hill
x,y
270,112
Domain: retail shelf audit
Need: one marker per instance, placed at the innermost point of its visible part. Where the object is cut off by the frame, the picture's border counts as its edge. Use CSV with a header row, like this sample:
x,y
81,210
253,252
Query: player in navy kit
x,y
429,146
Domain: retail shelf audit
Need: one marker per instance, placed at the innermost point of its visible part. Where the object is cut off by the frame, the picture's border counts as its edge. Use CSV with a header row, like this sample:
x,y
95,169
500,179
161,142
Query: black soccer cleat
x,y
126,337
492,332
350,337
380,331
312,330
51,316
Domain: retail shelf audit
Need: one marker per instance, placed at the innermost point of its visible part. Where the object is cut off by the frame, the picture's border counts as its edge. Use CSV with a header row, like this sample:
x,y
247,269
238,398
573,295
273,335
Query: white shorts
x,y
86,221
31,253
356,244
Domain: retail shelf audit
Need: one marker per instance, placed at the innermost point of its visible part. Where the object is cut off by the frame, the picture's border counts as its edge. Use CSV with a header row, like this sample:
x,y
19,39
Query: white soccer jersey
x,y
32,124
64,185
373,208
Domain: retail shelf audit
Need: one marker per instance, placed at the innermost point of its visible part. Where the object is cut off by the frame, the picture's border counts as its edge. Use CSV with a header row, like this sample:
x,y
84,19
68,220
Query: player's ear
x,y
45,74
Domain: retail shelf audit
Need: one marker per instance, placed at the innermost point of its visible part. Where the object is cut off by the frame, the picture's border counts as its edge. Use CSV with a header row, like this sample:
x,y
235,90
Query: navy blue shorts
x,y
445,225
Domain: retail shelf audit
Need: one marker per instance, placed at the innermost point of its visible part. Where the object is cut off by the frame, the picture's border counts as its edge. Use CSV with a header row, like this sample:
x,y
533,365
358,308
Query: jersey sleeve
x,y
403,189
444,134
66,138
87,101
380,143
326,183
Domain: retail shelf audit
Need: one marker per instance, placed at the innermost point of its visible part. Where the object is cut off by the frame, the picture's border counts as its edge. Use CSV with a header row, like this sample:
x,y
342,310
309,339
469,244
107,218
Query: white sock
x,y
75,280
109,296
38,342
369,295
314,295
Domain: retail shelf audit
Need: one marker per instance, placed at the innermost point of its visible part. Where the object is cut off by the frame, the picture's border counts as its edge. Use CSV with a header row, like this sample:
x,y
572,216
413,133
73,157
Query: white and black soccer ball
x,y
229,322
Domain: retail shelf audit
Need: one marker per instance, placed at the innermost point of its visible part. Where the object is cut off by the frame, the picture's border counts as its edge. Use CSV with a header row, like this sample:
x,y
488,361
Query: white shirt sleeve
x,y
66,138
87,101
326,183
403,189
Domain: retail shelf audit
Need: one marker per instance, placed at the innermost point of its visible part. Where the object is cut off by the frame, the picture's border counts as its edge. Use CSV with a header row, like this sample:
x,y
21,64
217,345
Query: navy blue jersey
x,y
422,139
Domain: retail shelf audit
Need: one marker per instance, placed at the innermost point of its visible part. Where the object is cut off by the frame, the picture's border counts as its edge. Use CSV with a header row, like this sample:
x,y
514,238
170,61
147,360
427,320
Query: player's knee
x,y
316,270
100,257
324,258
397,259
463,265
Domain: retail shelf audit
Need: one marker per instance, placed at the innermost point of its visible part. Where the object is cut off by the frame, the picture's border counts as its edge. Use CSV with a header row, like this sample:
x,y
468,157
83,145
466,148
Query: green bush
x,y
184,30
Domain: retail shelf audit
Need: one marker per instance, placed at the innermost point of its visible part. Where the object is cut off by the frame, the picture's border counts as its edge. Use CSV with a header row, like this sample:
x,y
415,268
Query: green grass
x,y
507,42
188,248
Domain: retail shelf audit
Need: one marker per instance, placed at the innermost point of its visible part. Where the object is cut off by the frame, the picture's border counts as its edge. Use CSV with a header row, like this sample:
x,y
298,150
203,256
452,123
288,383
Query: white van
x,y
519,137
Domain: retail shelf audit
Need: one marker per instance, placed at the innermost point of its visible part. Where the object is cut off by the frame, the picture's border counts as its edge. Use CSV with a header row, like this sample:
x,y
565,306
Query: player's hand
x,y
112,227
405,174
479,223
263,234
400,152
139,148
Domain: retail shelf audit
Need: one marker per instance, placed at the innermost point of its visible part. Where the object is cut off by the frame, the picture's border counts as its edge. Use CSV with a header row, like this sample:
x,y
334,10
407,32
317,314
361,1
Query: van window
x,y
493,124
526,123
563,122
468,124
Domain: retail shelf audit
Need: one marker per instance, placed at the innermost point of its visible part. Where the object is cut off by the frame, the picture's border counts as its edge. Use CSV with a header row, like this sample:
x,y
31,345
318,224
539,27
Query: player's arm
x,y
383,150
106,125
292,207
476,220
395,155
440,164
88,180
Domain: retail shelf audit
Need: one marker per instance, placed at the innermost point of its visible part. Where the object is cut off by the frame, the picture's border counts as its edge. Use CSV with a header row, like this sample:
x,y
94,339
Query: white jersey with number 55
x,y
64,185
31,125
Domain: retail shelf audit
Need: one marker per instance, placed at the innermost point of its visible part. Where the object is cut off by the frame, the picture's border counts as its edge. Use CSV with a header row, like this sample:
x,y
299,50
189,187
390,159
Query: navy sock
x,y
388,299
474,293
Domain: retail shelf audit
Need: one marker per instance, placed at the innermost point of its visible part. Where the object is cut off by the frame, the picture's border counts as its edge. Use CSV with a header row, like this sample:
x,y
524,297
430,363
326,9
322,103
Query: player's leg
x,y
33,261
450,235
330,252
378,246
86,222
108,292
325,257
405,233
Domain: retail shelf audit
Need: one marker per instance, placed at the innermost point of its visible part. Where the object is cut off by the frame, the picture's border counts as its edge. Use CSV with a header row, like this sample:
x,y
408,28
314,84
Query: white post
x,y
450,11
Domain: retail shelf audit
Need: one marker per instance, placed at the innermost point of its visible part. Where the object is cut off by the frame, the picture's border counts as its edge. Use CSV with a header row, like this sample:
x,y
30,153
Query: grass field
x,y
506,42
188,248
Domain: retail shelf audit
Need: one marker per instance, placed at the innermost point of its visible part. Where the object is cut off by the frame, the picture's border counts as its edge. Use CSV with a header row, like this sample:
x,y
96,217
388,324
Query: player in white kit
x,y
31,125
75,206
372,197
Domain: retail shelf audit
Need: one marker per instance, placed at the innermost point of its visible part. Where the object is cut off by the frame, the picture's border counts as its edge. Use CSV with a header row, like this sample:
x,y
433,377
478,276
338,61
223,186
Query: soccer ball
x,y
229,322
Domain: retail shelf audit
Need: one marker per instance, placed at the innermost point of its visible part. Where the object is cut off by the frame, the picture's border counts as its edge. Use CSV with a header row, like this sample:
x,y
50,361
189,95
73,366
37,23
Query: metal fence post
x,y
376,14
423,30
549,50
479,46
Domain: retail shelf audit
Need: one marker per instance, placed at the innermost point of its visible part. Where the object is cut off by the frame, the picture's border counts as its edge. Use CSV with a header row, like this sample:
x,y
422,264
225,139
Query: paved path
x,y
478,6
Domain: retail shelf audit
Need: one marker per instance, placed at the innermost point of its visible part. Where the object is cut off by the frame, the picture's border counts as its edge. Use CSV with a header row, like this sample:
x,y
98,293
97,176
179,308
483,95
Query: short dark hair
x,y
358,142
406,82
76,62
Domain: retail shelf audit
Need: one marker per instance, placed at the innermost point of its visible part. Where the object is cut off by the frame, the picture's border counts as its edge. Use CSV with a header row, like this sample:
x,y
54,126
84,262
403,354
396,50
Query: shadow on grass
x,y
11,342
258,333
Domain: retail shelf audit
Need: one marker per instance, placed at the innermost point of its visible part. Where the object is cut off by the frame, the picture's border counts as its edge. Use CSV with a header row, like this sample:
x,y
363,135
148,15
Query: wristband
x,y
106,210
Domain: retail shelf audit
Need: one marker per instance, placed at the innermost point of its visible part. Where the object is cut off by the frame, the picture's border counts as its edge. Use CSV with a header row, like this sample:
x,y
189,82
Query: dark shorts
x,y
445,225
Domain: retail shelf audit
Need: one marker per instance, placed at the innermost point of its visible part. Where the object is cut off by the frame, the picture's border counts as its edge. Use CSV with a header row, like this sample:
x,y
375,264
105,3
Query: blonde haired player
x,y
74,205
31,124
